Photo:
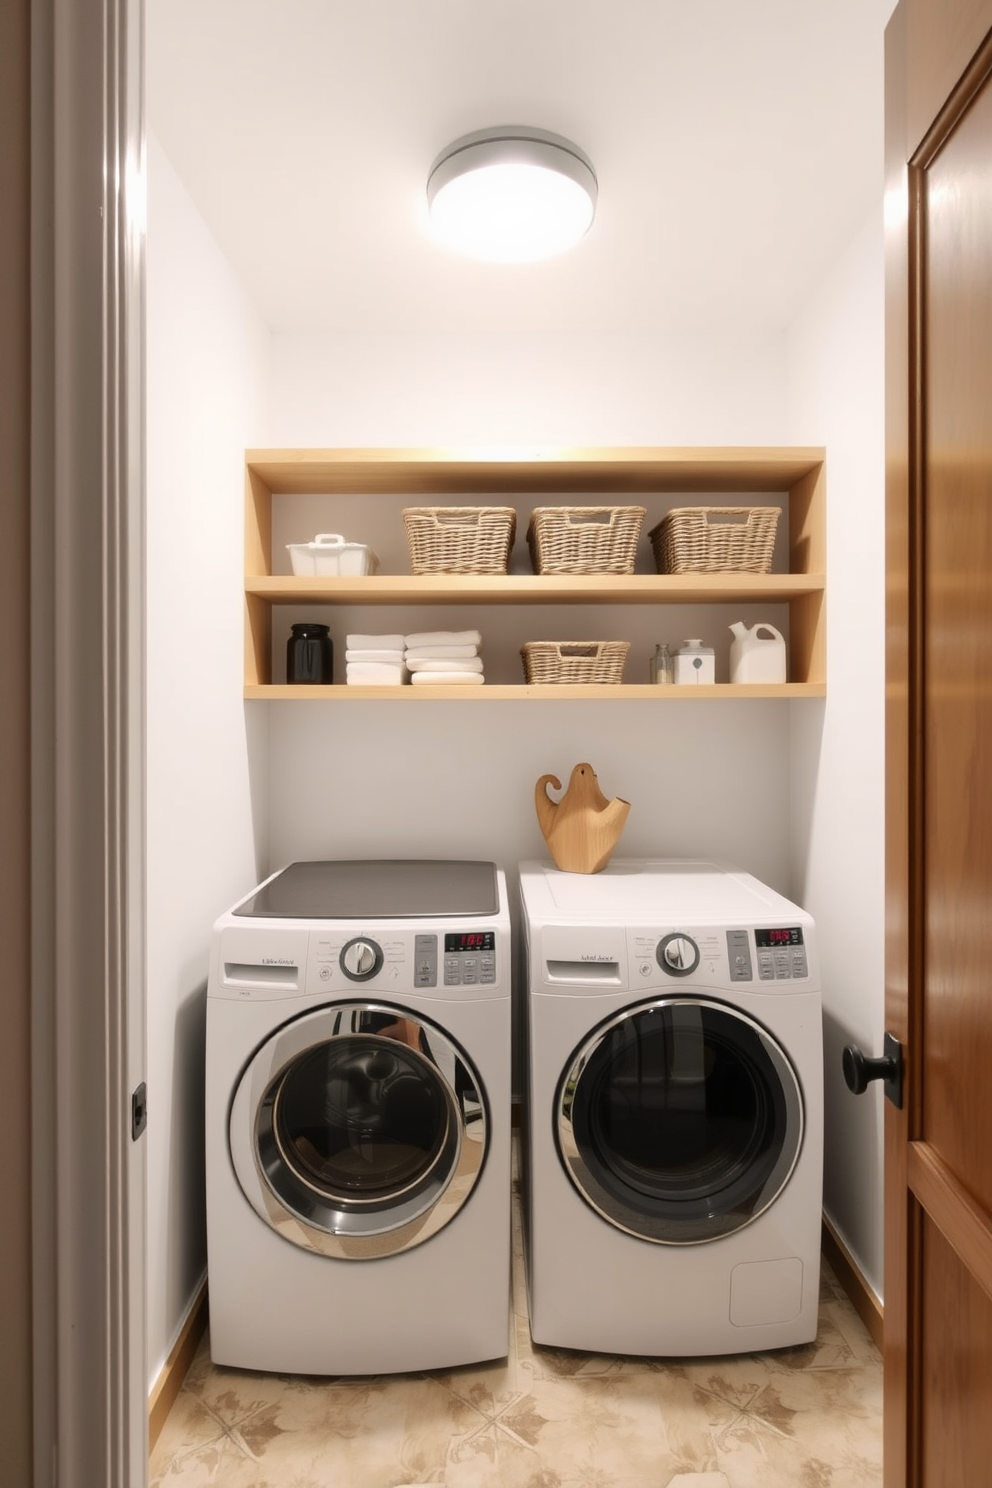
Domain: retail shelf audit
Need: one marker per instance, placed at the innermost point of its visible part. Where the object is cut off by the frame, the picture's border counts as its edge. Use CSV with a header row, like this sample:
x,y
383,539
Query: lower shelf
x,y
489,693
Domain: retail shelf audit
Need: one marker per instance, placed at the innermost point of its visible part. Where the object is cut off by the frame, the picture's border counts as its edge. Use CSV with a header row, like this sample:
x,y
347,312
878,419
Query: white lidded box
x,y
329,553
694,664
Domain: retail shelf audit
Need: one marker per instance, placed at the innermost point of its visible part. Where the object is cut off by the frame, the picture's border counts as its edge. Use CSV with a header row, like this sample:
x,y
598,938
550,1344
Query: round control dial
x,y
361,959
678,955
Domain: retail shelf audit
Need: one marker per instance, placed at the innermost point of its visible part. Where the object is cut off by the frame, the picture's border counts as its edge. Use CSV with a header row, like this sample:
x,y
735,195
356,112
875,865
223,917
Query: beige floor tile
x,y
806,1417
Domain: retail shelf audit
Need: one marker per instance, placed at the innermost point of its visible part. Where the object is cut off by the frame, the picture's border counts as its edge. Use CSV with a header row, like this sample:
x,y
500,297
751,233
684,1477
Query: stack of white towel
x,y
374,661
444,656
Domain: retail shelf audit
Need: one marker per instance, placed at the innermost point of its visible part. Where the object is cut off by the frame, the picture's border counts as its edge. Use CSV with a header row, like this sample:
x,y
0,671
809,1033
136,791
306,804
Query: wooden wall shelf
x,y
490,693
794,478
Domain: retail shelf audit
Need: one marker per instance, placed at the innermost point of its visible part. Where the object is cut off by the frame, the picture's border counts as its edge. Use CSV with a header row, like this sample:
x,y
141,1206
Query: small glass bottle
x,y
662,666
309,654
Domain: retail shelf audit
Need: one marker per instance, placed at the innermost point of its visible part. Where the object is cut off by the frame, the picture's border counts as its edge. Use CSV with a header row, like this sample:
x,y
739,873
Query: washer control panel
x,y
470,958
781,953
447,958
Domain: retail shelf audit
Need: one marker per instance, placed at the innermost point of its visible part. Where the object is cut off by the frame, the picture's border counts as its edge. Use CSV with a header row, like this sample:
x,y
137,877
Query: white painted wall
x,y
207,365
836,396
524,389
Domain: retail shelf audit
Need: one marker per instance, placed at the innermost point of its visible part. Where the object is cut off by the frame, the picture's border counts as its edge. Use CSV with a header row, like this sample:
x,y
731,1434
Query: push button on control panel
x,y
425,961
739,955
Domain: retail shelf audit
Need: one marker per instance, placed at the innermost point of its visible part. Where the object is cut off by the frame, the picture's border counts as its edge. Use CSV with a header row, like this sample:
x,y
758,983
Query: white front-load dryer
x,y
358,1119
674,1110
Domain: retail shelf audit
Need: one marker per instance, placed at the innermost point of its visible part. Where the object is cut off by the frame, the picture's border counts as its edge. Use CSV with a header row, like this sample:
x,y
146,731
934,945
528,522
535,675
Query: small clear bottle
x,y
662,666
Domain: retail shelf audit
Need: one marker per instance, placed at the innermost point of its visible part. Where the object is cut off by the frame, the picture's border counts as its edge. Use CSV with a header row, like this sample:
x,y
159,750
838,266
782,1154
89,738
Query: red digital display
x,y
470,940
778,937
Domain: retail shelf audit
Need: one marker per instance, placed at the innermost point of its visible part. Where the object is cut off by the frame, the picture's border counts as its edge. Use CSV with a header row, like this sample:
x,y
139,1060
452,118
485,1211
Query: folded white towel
x,y
443,638
443,664
374,674
446,650
374,642
394,658
430,679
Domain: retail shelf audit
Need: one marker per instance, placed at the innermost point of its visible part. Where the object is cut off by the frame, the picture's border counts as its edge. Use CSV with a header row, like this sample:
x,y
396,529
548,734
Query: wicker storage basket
x,y
574,661
584,539
716,539
460,539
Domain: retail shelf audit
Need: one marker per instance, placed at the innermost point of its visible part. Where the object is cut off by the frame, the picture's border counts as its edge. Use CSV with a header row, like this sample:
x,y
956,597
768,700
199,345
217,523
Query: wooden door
x,y
938,1148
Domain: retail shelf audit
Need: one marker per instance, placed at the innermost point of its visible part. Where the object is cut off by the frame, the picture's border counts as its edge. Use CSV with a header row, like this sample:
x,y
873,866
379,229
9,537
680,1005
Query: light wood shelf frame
x,y
798,476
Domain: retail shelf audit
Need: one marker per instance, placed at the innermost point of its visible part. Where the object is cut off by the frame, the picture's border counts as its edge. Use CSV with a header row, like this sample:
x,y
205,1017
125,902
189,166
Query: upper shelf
x,y
519,477
537,589
531,471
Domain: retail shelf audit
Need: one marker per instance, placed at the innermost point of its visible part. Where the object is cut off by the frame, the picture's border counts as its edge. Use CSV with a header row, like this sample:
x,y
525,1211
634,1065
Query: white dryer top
x,y
669,890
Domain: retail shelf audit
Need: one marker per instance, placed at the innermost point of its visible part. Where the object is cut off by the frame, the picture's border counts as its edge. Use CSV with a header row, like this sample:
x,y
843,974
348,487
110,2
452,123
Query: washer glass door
x,y
679,1120
358,1131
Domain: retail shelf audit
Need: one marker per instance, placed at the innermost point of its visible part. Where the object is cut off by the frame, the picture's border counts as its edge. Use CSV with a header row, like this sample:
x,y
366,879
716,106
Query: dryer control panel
x,y
781,953
708,955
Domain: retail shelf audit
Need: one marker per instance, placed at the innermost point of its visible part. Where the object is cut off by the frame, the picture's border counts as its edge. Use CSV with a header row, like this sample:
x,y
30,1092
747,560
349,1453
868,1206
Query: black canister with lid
x,y
309,653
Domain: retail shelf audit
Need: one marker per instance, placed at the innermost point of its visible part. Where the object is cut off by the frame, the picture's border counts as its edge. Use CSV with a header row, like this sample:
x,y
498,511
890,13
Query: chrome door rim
x,y
358,1228
640,1224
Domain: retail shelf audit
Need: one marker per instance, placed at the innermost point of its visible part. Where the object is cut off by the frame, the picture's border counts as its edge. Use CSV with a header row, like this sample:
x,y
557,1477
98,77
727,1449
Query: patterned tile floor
x,y
807,1417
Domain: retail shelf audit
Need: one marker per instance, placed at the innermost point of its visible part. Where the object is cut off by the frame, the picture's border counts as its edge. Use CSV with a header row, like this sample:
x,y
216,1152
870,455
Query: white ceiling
x,y
737,144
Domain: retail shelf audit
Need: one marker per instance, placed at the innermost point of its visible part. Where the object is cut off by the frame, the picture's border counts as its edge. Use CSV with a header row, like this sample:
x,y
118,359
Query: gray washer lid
x,y
376,889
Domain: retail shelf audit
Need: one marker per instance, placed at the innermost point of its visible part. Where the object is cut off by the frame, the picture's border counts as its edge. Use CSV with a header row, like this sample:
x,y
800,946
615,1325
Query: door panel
x,y
938,1196
957,1033
956,1384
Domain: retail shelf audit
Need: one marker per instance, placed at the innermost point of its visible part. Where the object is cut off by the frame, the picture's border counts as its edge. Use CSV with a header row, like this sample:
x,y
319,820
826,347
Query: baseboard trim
x,y
853,1280
165,1389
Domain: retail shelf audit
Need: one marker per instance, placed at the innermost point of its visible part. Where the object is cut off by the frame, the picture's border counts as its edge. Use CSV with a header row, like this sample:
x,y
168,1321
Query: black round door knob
x,y
860,1069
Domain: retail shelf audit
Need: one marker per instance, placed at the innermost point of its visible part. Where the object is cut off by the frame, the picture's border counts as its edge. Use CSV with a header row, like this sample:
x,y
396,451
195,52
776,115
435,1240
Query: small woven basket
x,y
584,539
460,539
716,539
574,661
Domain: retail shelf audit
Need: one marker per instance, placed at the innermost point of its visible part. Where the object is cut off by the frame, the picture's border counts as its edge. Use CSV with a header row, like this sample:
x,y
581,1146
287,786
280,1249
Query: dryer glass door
x,y
358,1131
679,1120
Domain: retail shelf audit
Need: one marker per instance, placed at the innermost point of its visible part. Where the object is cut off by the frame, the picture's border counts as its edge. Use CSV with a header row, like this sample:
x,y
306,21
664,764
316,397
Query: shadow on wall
x,y
257,744
806,729
186,1181
852,1123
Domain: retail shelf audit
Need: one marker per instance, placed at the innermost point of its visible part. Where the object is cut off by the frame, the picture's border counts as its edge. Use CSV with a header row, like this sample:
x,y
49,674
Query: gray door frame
x,y
87,727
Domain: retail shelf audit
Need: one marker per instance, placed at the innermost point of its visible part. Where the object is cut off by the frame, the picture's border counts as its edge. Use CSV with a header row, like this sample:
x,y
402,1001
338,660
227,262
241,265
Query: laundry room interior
x,y
517,361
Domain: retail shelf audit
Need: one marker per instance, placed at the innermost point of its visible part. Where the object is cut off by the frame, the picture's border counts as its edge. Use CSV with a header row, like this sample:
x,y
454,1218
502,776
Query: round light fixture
x,y
511,195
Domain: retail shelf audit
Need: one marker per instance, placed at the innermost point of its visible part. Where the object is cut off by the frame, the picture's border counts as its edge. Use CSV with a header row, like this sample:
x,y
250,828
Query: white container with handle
x,y
329,553
757,654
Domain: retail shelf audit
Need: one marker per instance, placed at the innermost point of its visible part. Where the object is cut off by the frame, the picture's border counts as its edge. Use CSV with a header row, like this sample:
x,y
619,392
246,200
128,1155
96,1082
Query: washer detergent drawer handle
x,y
249,974
599,972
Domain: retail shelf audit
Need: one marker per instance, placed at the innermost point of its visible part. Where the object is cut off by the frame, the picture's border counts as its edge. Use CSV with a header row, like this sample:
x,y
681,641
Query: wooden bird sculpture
x,y
583,828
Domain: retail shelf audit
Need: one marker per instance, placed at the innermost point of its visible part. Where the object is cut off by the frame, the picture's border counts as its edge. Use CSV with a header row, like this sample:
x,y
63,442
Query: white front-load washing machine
x,y
674,1110
358,1119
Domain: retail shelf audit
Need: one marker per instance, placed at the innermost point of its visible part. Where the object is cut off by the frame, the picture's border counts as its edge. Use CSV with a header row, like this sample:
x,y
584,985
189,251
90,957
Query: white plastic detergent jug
x,y
758,654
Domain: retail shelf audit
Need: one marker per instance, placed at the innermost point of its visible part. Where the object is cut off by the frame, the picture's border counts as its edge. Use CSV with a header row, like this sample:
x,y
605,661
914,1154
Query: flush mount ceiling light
x,y
511,194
